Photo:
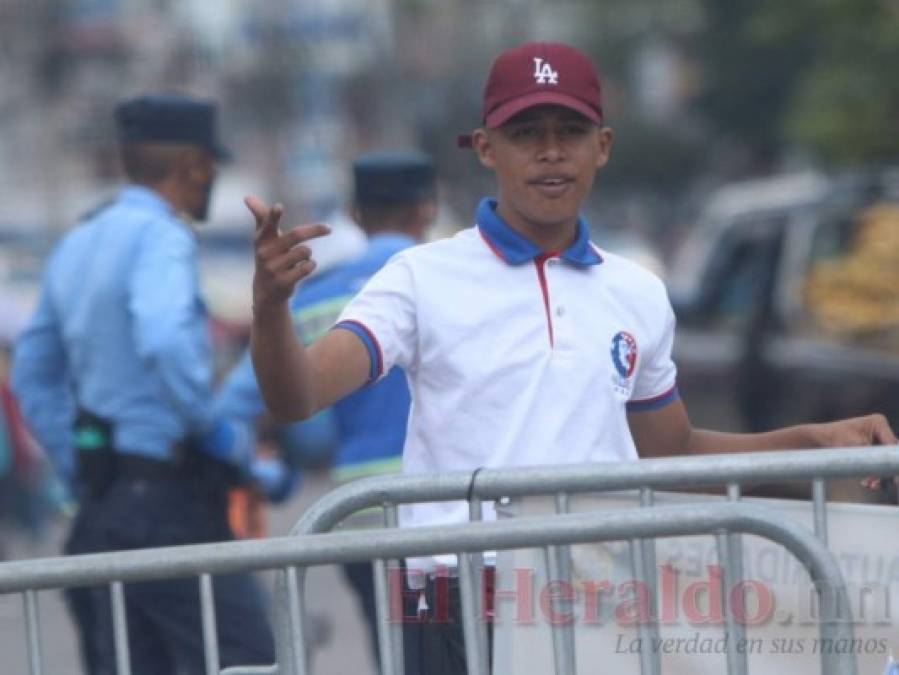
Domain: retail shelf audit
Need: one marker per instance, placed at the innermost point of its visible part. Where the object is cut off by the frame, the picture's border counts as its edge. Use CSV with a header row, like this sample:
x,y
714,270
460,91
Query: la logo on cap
x,y
543,72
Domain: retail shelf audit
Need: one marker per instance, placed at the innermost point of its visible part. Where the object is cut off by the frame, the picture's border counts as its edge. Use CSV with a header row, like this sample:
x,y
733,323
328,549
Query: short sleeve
x,y
656,383
383,316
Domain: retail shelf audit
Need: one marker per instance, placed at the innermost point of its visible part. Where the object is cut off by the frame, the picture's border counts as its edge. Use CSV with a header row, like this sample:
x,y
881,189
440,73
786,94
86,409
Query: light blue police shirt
x,y
120,327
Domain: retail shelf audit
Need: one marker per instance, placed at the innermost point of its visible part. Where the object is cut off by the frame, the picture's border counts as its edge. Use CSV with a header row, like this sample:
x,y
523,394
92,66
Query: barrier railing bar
x,y
210,634
390,636
558,566
638,570
474,562
727,584
470,568
562,631
670,472
294,579
32,632
819,497
392,520
120,628
471,617
650,577
730,556
563,505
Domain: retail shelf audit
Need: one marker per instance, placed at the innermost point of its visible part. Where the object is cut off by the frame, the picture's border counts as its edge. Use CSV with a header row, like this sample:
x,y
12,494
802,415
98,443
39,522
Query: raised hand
x,y
281,258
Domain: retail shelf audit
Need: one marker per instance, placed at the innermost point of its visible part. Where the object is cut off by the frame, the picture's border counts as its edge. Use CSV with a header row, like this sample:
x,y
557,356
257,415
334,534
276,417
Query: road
x,y
328,596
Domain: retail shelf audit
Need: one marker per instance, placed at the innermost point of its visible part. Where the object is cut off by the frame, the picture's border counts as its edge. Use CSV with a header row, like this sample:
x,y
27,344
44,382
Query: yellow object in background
x,y
857,295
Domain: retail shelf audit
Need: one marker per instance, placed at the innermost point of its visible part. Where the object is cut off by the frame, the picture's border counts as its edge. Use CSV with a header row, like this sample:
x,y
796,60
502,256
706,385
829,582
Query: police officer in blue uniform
x,y
394,203
114,375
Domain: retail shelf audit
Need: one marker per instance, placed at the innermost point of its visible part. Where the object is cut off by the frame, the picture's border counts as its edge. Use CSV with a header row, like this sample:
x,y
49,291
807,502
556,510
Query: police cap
x,y
393,177
170,118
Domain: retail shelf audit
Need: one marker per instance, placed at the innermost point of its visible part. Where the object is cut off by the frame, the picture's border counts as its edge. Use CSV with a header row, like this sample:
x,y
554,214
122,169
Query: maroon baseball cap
x,y
539,73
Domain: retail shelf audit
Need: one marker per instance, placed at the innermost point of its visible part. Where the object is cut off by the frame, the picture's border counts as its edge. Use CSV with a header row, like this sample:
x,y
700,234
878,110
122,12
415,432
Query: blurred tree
x,y
654,150
845,107
752,53
816,74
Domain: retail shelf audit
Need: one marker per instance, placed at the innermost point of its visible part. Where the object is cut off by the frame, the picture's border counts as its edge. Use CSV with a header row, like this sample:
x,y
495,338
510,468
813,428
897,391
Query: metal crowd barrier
x,y
291,555
296,553
731,471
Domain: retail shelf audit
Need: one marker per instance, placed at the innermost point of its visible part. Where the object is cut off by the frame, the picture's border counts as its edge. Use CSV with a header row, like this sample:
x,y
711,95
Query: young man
x,y
522,341
114,374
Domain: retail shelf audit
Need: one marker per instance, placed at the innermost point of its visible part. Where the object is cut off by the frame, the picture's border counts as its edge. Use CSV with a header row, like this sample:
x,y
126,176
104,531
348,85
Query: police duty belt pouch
x,y
95,456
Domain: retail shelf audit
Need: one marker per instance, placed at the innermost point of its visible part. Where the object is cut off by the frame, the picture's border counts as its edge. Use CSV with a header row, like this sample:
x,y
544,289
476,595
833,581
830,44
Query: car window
x,y
740,269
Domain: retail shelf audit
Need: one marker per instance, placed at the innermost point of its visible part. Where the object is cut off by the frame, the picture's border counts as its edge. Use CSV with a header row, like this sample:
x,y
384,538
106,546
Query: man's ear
x,y
605,140
480,142
426,211
197,164
186,164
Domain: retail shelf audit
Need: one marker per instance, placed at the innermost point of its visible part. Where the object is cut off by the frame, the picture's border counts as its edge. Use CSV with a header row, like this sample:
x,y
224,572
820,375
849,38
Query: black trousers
x,y
164,624
434,644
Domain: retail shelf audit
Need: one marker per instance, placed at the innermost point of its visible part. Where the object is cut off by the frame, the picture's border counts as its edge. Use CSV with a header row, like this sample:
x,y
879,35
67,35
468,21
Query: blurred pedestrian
x,y
394,203
29,492
523,342
114,374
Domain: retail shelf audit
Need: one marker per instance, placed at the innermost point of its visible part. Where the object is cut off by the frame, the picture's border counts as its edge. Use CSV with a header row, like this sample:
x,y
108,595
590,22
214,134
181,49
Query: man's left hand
x,y
855,431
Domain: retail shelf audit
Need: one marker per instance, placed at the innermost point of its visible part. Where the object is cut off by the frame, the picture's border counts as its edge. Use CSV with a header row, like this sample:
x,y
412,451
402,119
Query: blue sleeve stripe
x,y
654,403
371,344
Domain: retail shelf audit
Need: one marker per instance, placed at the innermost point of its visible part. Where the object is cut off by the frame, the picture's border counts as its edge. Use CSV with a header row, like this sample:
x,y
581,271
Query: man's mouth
x,y
552,186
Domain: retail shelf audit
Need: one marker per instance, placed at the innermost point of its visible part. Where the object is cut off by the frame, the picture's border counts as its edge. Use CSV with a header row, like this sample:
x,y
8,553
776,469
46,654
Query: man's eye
x,y
574,129
524,132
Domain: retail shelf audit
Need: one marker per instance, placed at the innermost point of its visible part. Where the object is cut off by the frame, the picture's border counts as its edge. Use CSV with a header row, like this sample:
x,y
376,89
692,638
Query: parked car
x,y
787,299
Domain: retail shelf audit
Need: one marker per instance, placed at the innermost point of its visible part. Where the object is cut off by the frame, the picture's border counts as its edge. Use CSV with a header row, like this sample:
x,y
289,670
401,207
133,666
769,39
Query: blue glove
x,y
275,478
230,441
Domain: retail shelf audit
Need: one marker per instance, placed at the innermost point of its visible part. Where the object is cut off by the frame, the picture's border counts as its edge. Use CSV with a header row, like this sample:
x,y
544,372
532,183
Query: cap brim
x,y
509,109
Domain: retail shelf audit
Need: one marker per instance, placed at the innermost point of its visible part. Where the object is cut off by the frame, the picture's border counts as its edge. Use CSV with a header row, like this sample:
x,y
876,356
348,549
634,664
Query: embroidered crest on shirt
x,y
624,358
544,73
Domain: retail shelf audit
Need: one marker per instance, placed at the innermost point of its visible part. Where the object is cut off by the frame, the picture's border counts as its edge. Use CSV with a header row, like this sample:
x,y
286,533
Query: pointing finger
x,y
302,233
257,207
267,219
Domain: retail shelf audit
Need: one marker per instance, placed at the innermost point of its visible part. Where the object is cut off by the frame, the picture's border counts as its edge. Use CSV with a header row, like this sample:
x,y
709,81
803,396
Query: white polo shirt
x,y
515,357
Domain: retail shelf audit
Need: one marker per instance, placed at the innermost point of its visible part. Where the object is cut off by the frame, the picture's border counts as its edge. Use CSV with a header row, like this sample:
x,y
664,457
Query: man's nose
x,y
551,148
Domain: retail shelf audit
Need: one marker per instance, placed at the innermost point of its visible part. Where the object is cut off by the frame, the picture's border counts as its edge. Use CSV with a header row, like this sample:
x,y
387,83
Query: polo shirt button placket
x,y
557,308
560,320
551,265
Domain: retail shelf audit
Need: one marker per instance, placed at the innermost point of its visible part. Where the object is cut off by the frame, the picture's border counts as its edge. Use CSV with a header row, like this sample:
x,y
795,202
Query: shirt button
x,y
560,311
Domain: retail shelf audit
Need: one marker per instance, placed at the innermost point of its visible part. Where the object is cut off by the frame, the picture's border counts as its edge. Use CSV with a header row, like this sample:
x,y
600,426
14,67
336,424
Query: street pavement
x,y
345,653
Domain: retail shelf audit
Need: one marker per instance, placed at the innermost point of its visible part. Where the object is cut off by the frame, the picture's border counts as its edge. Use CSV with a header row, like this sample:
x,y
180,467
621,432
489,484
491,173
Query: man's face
x,y
202,176
545,159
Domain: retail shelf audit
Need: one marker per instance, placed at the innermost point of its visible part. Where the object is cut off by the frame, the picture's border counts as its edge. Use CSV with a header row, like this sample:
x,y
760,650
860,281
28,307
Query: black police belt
x,y
99,463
